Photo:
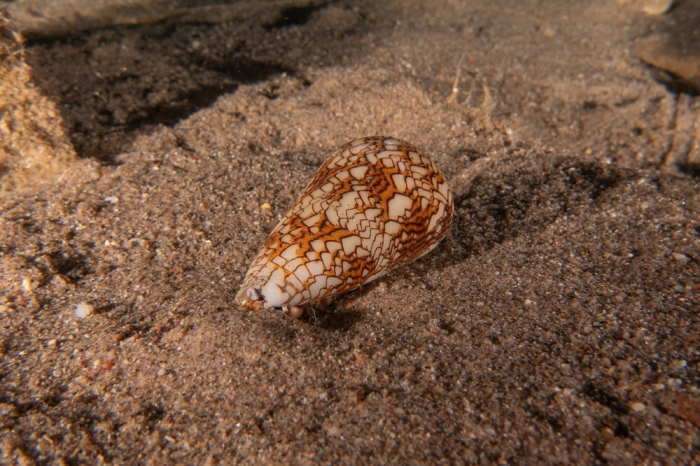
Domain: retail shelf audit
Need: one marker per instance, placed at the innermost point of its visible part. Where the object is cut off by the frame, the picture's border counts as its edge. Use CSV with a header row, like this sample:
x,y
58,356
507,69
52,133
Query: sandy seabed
x,y
557,322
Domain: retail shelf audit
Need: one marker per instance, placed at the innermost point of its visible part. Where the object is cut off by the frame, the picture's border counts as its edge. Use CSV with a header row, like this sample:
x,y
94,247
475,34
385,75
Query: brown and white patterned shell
x,y
376,203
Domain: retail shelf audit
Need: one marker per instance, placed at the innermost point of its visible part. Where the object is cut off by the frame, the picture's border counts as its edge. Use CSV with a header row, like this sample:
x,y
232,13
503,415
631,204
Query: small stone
x,y
266,207
132,243
29,284
82,380
682,258
59,281
160,373
83,310
638,407
655,7
664,52
112,199
674,383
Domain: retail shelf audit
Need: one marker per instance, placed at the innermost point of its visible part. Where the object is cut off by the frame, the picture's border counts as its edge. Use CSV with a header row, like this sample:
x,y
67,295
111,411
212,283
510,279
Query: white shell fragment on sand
x,y
83,310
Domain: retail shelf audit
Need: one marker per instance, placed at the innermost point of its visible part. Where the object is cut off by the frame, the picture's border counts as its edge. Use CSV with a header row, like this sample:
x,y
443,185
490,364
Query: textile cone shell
x,y
377,203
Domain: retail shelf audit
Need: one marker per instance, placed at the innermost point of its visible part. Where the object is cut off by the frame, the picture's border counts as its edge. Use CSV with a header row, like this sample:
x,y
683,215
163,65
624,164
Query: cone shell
x,y
377,203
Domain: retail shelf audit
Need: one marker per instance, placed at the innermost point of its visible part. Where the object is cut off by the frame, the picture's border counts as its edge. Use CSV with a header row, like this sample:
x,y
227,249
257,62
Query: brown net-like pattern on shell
x,y
374,205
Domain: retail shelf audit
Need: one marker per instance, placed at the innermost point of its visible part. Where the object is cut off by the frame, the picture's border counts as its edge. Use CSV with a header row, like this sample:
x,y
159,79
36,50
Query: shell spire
x,y
377,203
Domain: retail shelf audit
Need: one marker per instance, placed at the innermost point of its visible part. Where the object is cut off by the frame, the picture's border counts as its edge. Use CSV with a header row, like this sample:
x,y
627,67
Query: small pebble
x,y
160,373
638,407
83,310
655,7
82,380
29,284
112,199
674,383
682,258
132,243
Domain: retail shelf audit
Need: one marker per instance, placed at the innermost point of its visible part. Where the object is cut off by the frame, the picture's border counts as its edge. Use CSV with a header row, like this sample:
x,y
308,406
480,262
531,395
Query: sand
x,y
557,322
